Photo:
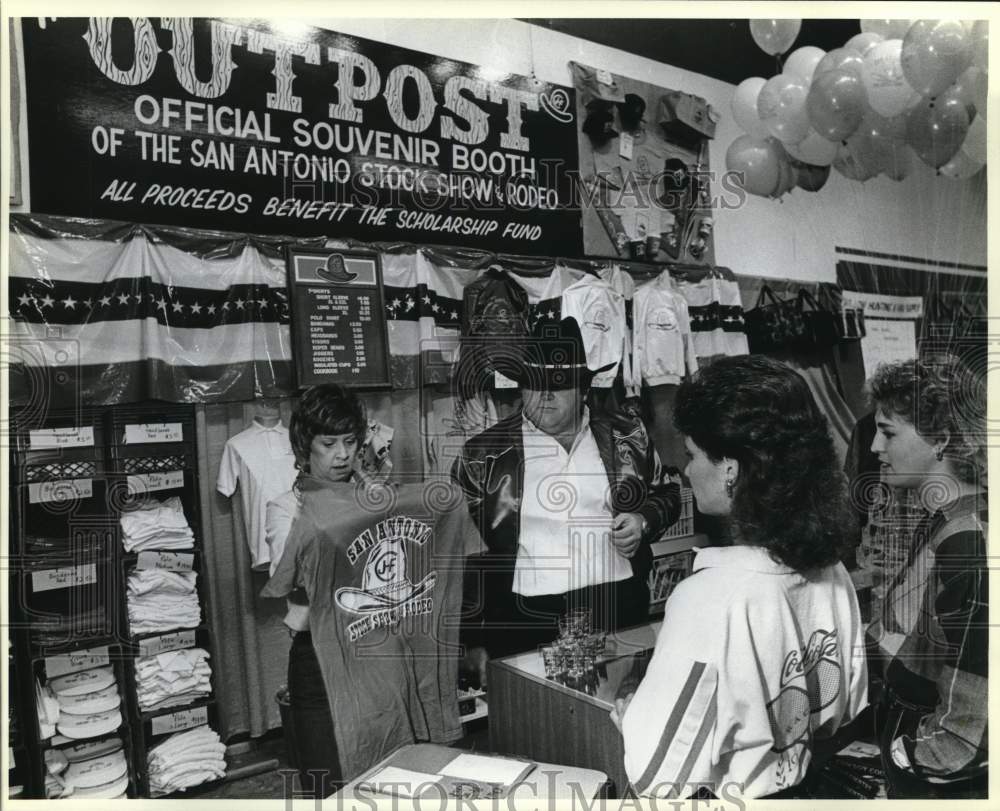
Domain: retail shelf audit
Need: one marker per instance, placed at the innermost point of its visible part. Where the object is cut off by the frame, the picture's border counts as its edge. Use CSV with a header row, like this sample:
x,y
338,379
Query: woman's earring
x,y
729,488
939,452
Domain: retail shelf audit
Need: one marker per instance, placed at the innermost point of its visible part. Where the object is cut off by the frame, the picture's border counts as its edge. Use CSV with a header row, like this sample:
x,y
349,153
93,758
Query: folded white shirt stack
x,y
91,770
186,759
156,525
160,600
172,678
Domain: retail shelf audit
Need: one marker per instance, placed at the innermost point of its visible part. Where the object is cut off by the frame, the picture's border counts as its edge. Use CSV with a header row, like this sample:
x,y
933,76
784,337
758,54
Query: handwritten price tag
x,y
64,578
177,721
161,644
62,490
146,432
61,438
79,660
171,561
147,482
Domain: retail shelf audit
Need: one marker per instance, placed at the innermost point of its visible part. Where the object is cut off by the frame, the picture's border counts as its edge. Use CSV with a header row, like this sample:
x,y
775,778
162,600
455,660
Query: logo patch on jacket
x,y
387,594
819,667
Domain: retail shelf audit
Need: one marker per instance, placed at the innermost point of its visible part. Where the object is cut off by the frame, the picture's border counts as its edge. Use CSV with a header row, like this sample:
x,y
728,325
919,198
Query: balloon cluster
x,y
899,88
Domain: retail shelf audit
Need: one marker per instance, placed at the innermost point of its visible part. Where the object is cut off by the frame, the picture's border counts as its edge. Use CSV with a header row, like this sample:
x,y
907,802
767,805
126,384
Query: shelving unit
x,y
672,555
73,475
65,586
153,455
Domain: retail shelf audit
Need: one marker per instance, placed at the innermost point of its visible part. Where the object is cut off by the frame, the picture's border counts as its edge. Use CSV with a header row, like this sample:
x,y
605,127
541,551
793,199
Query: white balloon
x,y
888,91
744,107
890,29
813,149
781,105
802,62
960,166
863,43
974,144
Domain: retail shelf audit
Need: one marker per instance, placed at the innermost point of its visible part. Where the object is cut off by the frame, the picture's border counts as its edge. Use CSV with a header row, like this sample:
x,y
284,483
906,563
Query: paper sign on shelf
x,y
61,438
879,305
161,644
60,490
64,577
148,482
177,721
77,661
171,561
147,432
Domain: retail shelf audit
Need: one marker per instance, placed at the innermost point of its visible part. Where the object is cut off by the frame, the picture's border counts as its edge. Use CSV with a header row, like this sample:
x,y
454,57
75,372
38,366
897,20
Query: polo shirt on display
x,y
260,461
382,567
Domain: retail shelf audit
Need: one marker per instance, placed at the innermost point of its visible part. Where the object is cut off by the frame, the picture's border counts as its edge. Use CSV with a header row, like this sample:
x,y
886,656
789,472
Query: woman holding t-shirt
x,y
326,431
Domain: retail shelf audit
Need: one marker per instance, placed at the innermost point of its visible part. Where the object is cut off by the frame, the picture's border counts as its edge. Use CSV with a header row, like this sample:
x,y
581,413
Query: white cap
x,y
91,749
82,682
98,771
90,703
89,726
115,788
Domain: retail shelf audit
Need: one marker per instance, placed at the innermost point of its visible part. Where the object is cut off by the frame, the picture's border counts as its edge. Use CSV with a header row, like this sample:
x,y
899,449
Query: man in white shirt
x,y
566,502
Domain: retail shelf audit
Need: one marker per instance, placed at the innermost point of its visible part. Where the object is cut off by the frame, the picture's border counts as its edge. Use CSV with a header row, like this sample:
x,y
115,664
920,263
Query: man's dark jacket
x,y
490,471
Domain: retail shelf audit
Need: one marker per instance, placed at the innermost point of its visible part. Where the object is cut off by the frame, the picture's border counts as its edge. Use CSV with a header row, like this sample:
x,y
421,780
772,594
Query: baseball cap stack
x,y
95,769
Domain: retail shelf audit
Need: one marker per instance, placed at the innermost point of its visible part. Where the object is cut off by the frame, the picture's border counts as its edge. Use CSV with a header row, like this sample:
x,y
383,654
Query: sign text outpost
x,y
295,130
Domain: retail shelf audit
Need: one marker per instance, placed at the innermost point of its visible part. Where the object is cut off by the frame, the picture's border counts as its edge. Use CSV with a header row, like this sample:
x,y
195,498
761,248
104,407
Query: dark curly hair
x,y
943,399
790,496
324,409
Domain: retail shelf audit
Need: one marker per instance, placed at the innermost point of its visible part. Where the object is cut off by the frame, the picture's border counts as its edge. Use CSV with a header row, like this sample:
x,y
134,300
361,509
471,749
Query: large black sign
x,y
272,127
338,318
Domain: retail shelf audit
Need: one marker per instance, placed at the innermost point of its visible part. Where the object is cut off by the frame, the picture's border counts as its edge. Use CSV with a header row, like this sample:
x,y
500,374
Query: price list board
x,y
338,318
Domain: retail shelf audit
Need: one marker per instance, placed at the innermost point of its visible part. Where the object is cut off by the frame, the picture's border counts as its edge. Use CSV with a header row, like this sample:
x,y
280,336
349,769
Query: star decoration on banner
x,y
436,308
105,301
551,314
211,309
161,304
25,300
123,298
454,315
240,303
225,306
48,301
263,303
89,303
196,308
410,304
178,307
426,299
395,303
69,303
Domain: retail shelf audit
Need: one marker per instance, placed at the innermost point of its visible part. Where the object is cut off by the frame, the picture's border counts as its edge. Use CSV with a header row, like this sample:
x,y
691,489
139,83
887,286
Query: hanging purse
x,y
775,324
820,322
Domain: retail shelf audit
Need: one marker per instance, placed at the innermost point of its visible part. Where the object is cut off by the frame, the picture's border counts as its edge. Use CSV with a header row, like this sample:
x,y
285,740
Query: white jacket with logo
x,y
752,662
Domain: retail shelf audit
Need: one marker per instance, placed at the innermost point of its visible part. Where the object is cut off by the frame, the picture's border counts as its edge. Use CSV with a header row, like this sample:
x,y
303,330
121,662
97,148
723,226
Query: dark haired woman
x,y
761,649
327,430
930,640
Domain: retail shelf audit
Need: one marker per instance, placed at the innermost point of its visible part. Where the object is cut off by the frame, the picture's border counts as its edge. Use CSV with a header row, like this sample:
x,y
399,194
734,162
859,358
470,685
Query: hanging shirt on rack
x,y
716,312
382,569
599,310
260,461
664,349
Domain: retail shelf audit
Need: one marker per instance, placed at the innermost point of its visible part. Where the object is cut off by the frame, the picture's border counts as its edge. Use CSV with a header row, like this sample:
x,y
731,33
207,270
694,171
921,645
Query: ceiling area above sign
x,y
722,49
